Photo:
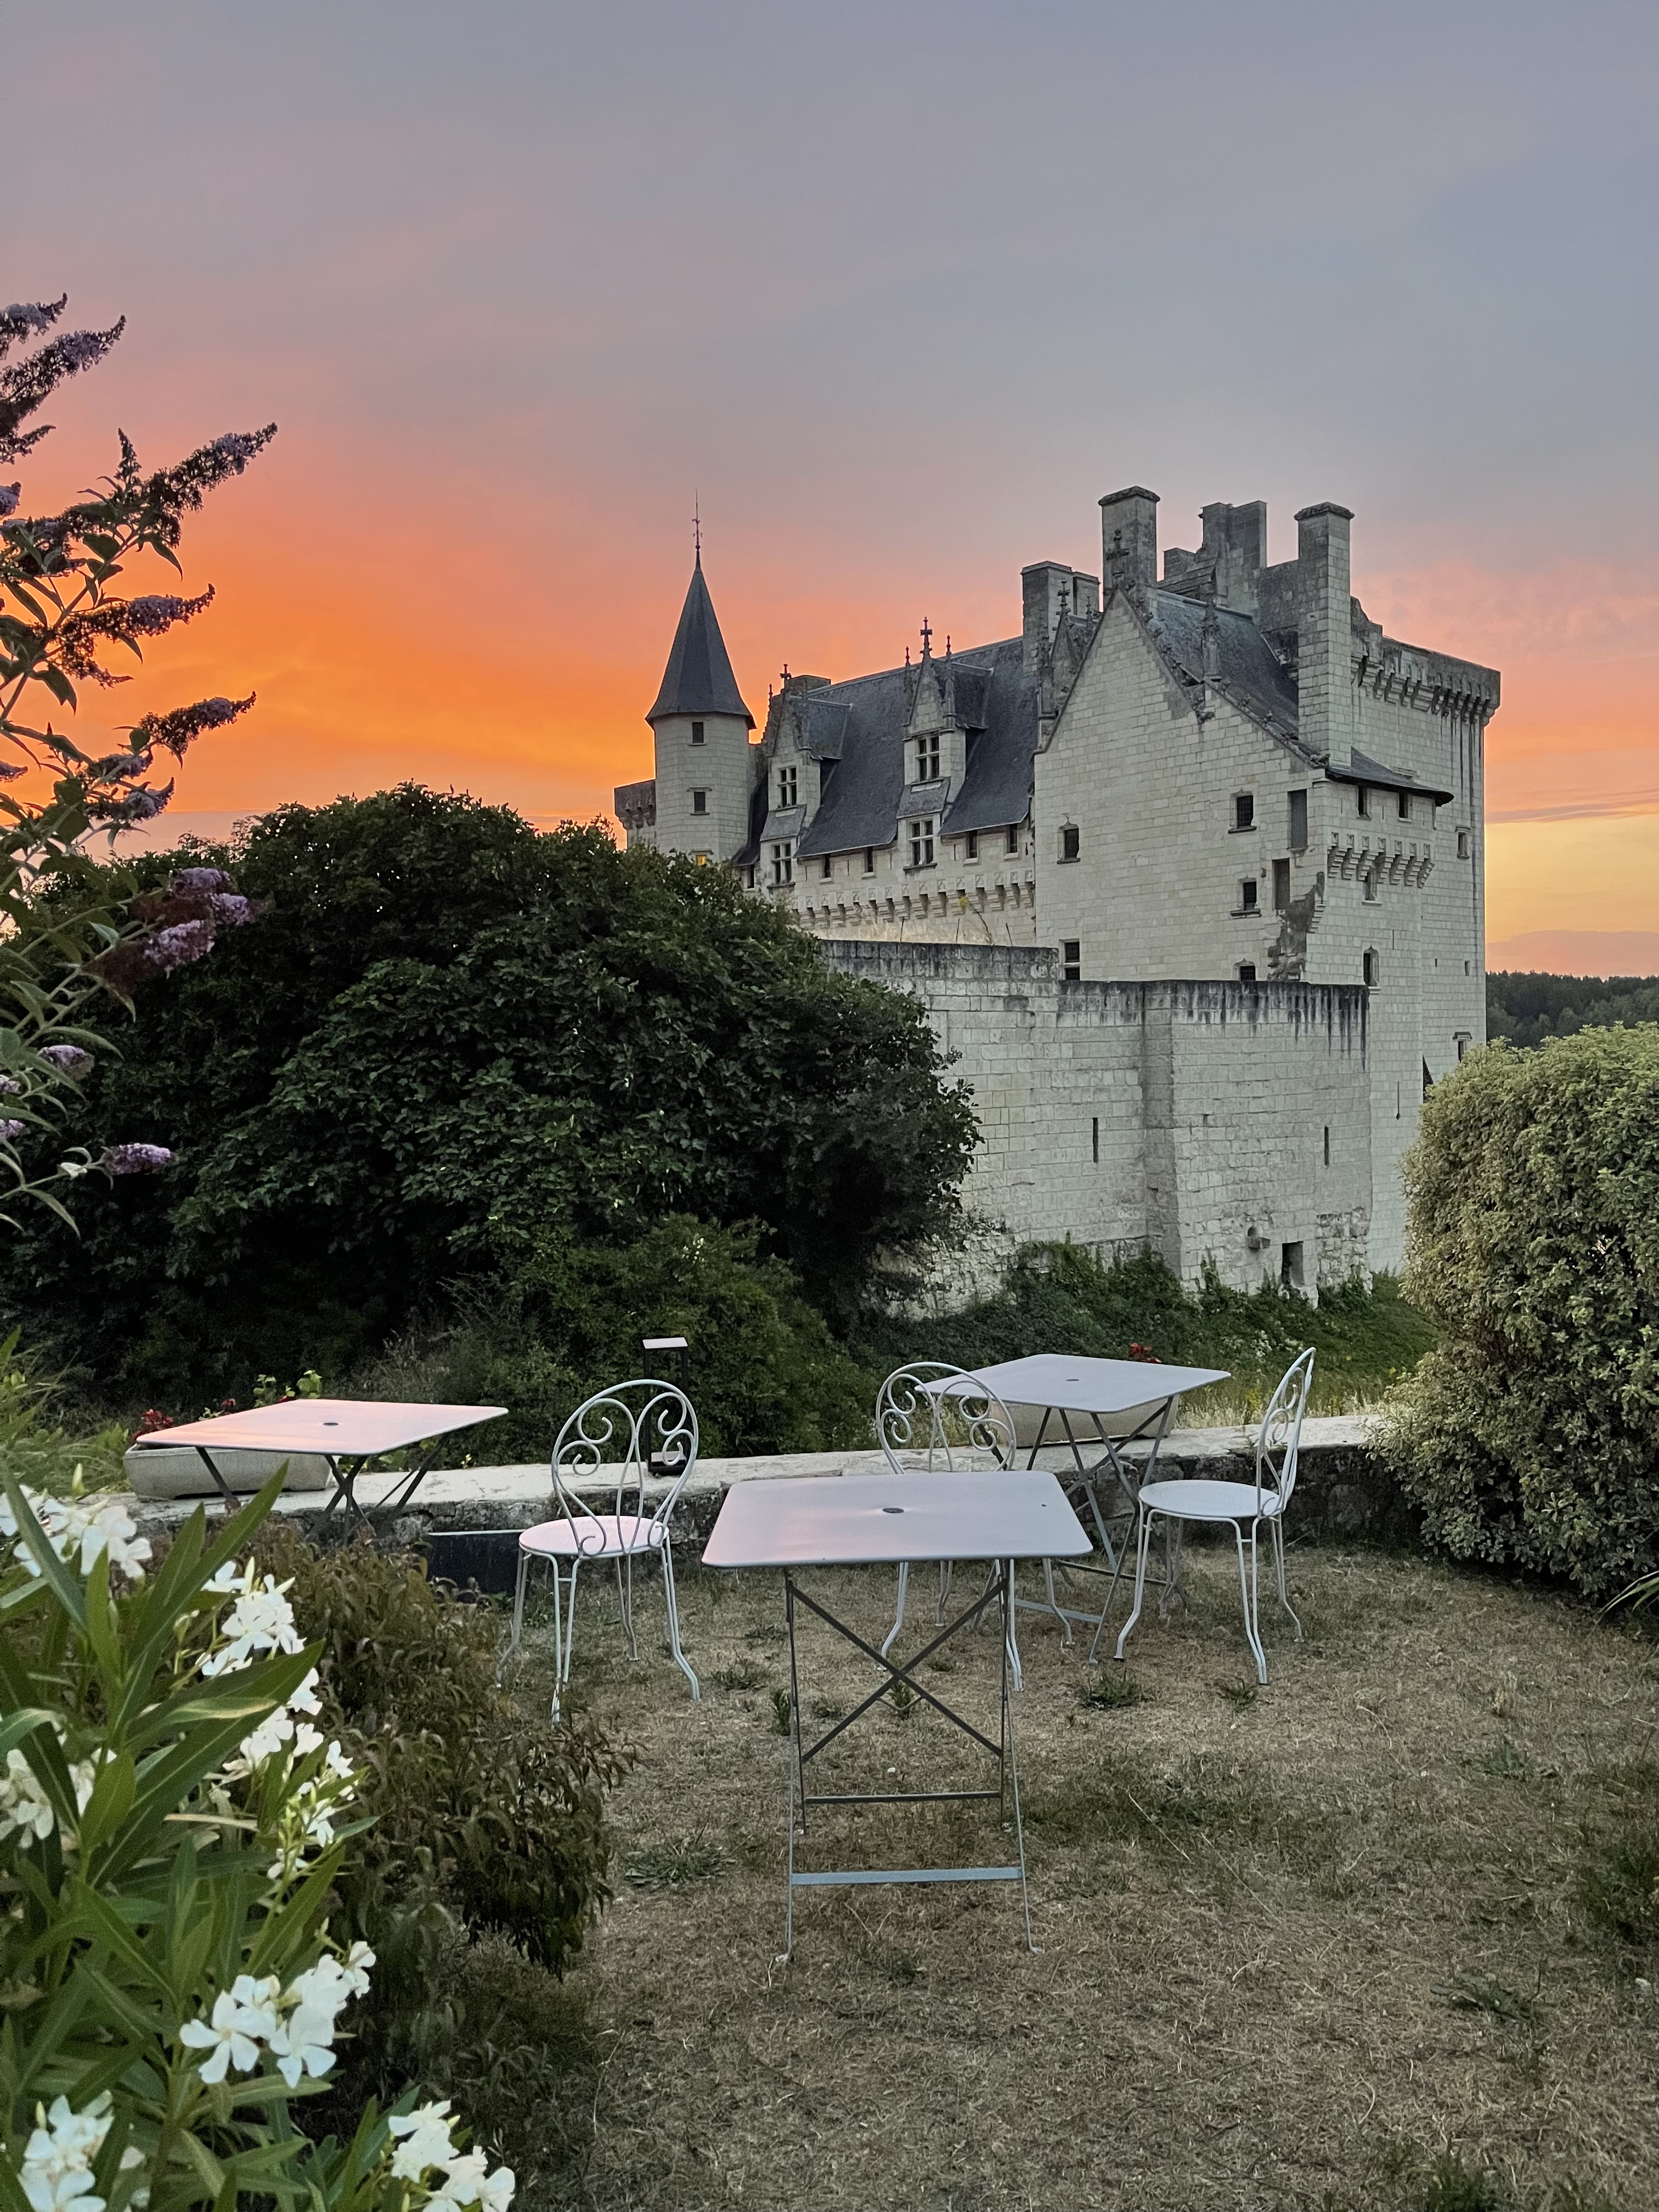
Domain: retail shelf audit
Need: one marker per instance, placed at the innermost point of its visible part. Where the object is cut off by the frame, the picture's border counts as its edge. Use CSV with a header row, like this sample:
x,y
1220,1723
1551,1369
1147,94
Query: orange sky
x,y
518,285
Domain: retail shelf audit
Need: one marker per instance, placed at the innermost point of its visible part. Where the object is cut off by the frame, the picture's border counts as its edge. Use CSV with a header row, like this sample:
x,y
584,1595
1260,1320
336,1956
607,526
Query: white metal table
x,y
348,1432
886,1520
1127,1402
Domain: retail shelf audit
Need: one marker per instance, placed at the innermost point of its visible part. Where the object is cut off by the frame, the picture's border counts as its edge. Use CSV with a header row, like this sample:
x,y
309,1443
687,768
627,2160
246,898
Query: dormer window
x,y
696,733
788,787
928,759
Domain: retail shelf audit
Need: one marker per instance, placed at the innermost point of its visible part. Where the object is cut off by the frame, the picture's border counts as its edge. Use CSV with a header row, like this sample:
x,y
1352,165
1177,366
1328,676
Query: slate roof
x,y
1363,769
1247,662
698,679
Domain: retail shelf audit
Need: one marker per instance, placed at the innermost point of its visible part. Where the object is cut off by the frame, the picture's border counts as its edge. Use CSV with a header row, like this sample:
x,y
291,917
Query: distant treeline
x,y
1528,1009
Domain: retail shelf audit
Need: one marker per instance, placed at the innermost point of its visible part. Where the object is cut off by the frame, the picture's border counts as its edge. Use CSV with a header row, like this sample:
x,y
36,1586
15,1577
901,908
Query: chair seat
x,y
594,1536
1210,1501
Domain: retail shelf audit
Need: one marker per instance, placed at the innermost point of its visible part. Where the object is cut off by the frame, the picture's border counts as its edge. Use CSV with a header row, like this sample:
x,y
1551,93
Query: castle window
x,y
1071,959
828,868
1369,881
788,787
1298,810
869,859
1405,798
921,844
700,802
1363,803
928,759
1462,1041
1281,885
1290,1266
702,858
1069,842
1462,844
1373,969
1094,1137
750,879
696,733
1013,838
1247,895
970,846
1247,971
1328,1145
1244,810
783,862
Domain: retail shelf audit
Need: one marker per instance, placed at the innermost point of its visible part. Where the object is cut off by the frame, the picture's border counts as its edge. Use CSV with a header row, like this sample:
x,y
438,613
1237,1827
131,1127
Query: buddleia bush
x,y
1529,1436
173,1826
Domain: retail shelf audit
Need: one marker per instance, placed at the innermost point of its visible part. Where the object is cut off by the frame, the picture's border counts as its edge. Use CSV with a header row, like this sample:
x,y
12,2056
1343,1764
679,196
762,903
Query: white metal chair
x,y
917,1409
648,1430
1262,1502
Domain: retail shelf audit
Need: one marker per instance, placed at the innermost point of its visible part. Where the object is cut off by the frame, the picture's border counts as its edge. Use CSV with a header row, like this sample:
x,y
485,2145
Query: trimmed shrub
x,y
484,1827
1530,1436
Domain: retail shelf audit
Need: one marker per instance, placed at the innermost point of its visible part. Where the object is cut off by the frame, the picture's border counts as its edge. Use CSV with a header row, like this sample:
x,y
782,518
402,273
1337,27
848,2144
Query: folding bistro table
x,y
348,1432
888,1520
1108,1393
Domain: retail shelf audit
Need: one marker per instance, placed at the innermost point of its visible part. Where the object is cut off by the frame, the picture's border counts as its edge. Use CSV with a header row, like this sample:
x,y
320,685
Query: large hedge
x,y
449,1043
1530,1435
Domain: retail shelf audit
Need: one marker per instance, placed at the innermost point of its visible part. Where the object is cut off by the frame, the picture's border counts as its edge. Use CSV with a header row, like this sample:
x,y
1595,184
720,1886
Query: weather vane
x,y
696,524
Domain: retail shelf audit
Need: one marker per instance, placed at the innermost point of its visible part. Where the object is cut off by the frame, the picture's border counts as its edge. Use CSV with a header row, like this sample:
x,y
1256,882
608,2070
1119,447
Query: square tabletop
x,y
884,1520
1061,1381
342,1428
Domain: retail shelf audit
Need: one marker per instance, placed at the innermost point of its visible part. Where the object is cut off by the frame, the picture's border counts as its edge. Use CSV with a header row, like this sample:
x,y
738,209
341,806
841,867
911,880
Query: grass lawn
x,y
1324,1944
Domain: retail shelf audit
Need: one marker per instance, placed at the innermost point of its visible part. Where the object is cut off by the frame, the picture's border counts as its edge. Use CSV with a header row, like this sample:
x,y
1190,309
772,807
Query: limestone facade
x,y
1189,875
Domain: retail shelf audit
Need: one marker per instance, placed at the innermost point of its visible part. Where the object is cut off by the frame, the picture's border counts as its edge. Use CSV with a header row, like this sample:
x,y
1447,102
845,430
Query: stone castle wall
x,y
1214,1122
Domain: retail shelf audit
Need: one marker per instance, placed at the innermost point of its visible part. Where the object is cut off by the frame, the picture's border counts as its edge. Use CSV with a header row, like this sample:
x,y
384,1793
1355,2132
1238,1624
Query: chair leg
x,y
625,1596
517,1637
1247,1591
681,1660
1278,1528
1053,1602
1143,1538
564,1630
898,1615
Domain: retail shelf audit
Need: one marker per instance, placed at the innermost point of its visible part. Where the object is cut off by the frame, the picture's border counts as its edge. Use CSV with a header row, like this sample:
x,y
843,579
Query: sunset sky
x,y
896,291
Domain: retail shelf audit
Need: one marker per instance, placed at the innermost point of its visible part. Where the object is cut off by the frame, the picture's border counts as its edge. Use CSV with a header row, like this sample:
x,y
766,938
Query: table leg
x,y
232,1503
999,1587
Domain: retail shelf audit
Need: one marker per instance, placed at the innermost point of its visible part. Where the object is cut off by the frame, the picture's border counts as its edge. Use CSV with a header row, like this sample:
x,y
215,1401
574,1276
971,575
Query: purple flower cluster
x,y
202,880
9,496
134,1159
175,730
10,1131
68,1059
177,946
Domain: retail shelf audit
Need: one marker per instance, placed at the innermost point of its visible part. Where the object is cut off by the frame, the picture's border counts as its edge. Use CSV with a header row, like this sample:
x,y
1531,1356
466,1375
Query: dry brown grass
x,y
1294,1944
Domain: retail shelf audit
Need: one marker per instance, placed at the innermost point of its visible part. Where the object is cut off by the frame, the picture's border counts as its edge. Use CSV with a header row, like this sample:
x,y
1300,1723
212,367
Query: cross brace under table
x,y
999,1591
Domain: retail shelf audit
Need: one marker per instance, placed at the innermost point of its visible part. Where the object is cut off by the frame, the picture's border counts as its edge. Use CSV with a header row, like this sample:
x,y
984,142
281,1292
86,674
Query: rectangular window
x,y
928,759
783,863
829,867
788,787
1069,842
1371,969
1462,844
869,859
1462,1044
1328,1145
970,846
1071,959
1364,803
1290,1266
921,844
1281,885
1247,971
696,733
1244,810
1405,798
1297,808
700,802
1246,895
1094,1138
1014,839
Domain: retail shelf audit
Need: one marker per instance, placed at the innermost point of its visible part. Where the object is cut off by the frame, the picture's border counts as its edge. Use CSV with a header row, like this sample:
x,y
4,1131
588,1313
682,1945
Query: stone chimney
x,y
1128,543
1324,666
1045,587
1236,551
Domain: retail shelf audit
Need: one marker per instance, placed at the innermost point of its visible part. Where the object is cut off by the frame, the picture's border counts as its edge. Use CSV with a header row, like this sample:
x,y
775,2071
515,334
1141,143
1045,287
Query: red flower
x,y
1143,1351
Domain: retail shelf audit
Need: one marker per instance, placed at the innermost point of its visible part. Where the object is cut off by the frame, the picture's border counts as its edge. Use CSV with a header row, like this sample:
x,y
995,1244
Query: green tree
x,y
448,1040
1530,1434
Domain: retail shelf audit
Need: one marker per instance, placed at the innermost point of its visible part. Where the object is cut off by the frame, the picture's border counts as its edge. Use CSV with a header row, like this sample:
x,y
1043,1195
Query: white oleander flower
x,y
24,1805
88,1525
56,2169
230,1578
306,1740
426,2140
261,1619
233,2035
359,1959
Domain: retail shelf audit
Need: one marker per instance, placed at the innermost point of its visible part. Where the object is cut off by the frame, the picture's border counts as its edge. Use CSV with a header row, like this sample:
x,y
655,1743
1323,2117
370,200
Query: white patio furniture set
x,y
954,1493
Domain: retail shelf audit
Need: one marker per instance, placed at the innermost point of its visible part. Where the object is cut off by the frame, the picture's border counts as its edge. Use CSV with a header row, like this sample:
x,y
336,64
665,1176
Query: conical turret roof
x,y
698,679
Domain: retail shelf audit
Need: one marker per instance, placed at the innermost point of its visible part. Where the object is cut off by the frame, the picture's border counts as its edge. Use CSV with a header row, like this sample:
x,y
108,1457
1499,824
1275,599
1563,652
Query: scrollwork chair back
x,y
647,1431
915,1418
1280,1439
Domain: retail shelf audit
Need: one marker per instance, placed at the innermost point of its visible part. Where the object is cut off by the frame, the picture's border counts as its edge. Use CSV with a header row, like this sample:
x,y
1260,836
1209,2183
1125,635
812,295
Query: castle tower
x,y
701,728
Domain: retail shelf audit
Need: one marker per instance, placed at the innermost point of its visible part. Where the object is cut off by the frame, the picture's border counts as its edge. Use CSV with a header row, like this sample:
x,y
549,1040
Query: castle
x,y
1189,875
